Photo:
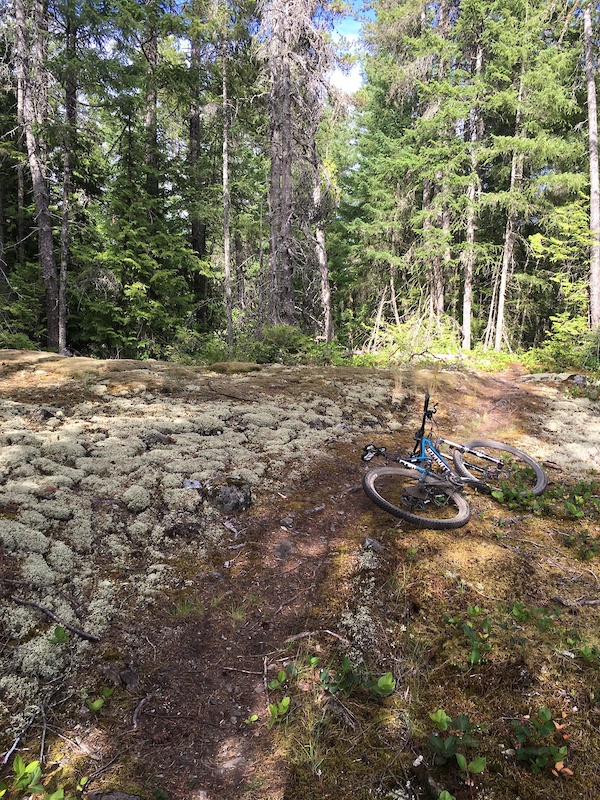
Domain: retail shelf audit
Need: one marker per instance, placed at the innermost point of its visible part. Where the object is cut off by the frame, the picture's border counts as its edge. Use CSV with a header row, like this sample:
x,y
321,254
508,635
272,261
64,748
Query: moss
x,y
233,367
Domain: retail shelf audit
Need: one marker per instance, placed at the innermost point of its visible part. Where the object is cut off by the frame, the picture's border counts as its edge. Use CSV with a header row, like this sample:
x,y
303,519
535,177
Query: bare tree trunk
x,y
197,223
372,346
594,178
473,190
281,305
30,62
320,247
69,145
226,198
510,232
150,49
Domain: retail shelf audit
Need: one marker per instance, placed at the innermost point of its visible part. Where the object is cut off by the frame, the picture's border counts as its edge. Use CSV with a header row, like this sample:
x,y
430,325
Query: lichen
x,y
137,498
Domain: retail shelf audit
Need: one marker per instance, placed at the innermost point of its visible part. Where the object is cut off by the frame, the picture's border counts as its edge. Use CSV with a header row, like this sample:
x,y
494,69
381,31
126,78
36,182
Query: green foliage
x,y
98,702
283,344
585,545
60,635
532,737
283,676
567,346
347,678
478,632
27,780
279,710
459,737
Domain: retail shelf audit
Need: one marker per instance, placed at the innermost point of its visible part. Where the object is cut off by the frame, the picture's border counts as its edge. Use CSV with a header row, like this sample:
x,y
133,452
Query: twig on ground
x,y
22,733
84,634
306,634
582,601
227,394
138,710
245,671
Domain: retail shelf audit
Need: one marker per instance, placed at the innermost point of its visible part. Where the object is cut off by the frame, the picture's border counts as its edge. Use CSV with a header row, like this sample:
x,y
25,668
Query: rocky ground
x,y
171,536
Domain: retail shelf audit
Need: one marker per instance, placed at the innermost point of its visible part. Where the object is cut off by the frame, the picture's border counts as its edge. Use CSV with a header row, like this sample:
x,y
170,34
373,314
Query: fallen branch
x,y
575,603
138,710
6,756
228,394
84,635
306,634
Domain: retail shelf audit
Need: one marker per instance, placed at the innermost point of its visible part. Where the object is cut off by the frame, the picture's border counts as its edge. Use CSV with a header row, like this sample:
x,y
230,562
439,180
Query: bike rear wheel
x,y
516,471
428,504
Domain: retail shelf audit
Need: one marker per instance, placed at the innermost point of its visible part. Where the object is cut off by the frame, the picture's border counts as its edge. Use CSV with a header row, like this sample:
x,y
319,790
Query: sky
x,y
349,29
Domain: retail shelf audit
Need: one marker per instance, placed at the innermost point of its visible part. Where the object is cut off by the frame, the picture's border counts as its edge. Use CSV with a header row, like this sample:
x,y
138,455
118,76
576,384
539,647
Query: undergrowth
x,y
497,686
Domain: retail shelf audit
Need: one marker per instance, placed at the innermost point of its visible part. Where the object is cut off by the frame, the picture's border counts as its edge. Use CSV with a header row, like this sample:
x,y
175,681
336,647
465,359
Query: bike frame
x,y
426,454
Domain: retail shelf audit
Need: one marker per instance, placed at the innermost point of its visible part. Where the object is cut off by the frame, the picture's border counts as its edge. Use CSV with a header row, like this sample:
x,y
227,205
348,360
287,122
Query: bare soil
x,y
188,716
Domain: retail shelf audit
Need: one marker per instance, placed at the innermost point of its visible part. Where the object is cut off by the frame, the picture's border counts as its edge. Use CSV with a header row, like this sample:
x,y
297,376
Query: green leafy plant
x,y
591,654
459,737
529,735
585,545
283,676
347,678
26,780
478,631
279,710
60,635
384,685
96,705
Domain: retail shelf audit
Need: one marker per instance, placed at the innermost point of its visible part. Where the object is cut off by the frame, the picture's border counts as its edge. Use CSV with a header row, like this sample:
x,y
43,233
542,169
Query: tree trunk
x,y
473,190
320,247
69,145
510,232
281,305
150,48
30,62
594,178
197,223
226,198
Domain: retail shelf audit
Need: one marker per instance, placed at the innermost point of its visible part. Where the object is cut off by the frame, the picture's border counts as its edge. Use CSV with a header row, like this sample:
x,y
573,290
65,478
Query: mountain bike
x,y
425,487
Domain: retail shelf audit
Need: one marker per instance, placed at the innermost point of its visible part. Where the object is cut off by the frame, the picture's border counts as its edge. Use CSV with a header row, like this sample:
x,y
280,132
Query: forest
x,y
184,181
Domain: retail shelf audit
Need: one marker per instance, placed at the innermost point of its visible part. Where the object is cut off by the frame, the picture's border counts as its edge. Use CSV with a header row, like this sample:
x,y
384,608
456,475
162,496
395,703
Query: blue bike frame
x,y
426,454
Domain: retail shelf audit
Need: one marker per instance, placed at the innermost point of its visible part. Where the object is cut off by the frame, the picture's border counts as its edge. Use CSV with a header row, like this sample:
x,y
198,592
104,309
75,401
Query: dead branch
x,y
84,635
138,710
306,634
227,394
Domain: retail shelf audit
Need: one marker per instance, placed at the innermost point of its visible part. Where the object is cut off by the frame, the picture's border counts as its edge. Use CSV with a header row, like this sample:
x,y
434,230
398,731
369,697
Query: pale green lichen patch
x,y
100,484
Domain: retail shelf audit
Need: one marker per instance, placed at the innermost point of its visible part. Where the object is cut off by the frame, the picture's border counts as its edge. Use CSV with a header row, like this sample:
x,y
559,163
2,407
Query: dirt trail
x,y
105,468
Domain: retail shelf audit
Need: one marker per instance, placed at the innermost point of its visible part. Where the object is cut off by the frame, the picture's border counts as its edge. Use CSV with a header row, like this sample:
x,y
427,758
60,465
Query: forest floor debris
x,y
114,517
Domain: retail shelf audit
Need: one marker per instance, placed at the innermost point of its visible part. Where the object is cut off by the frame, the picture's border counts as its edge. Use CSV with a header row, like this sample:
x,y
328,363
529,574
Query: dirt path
x,y
109,471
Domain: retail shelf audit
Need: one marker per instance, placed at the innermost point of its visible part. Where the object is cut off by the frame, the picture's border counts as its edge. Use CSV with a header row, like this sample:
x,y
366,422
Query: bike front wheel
x,y
499,466
425,504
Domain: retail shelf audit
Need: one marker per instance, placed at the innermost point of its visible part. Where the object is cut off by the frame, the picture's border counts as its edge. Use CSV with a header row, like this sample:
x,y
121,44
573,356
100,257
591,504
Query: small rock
x,y
373,544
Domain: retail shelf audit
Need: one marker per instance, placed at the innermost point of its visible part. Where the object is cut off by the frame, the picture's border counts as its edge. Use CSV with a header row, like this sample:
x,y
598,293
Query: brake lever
x,y
432,411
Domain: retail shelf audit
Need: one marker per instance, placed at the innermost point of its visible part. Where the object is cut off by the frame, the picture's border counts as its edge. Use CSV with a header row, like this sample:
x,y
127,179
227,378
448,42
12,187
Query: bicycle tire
x,y
520,468
384,484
